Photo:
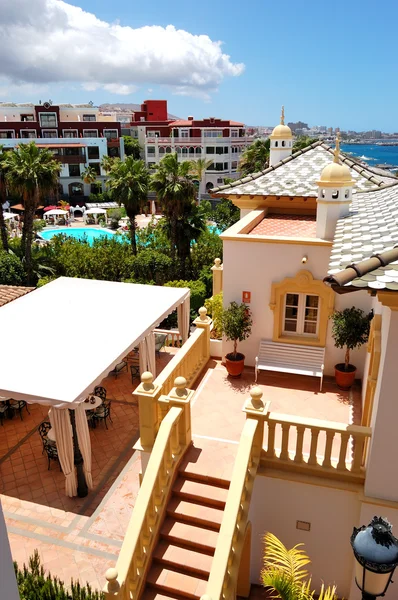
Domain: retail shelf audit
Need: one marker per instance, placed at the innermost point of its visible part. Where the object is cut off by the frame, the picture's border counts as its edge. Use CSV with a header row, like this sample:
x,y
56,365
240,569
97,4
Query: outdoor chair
x,y
52,453
103,412
160,341
100,392
134,371
119,367
43,430
3,409
19,405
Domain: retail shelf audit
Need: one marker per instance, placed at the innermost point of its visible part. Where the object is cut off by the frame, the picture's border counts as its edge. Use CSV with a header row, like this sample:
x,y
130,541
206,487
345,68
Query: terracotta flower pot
x,y
235,364
344,379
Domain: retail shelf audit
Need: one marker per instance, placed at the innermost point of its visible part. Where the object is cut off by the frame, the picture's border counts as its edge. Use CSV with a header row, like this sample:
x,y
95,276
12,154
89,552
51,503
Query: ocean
x,y
372,154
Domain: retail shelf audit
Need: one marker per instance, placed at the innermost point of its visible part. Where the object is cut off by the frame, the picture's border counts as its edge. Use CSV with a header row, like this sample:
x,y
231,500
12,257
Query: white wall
x,y
8,584
254,266
276,506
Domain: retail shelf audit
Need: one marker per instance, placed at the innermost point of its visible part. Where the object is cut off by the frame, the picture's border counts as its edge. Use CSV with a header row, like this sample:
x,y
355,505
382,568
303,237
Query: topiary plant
x,y
350,330
236,325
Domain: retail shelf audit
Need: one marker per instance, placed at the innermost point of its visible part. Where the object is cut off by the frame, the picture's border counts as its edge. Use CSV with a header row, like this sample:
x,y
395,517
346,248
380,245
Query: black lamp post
x,y
376,552
82,489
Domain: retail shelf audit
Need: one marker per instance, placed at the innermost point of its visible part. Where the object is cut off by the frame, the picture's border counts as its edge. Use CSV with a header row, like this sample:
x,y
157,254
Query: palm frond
x,y
329,593
292,562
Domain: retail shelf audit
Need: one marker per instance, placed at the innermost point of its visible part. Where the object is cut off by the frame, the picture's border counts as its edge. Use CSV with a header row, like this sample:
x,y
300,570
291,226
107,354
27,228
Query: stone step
x,y
192,512
176,582
198,491
177,557
199,471
190,536
153,594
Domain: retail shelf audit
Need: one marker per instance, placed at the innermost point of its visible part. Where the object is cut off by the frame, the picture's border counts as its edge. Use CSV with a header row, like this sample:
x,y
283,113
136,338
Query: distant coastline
x,y
375,155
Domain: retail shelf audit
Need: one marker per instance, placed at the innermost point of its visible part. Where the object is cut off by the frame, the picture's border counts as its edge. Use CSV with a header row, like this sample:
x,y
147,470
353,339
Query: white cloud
x,y
51,41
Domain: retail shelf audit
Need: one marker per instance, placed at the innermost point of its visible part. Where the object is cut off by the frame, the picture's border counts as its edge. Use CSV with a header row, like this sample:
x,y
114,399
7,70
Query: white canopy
x,y
7,216
55,211
96,211
64,364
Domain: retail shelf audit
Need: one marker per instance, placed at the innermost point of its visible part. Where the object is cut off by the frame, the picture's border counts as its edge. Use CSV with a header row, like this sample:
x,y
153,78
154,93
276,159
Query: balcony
x,y
113,142
198,140
70,160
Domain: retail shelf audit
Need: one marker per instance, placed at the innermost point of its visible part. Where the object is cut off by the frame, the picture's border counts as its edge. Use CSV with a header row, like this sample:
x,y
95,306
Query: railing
x,y
335,449
126,580
225,582
173,339
198,140
189,360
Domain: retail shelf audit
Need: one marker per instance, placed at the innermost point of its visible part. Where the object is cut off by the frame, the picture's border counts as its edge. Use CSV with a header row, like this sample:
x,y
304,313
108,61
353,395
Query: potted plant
x,y
350,330
236,325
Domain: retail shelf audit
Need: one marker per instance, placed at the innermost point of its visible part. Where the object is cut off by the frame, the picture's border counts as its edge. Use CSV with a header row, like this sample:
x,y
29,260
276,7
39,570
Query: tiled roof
x,y
12,292
369,267
298,174
286,226
370,229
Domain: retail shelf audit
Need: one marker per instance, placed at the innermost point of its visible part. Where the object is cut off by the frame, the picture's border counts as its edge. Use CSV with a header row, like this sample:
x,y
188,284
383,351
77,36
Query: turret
x,y
281,141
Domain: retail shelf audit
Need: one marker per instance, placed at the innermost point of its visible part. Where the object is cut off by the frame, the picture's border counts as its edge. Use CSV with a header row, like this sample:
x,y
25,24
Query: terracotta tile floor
x,y
80,538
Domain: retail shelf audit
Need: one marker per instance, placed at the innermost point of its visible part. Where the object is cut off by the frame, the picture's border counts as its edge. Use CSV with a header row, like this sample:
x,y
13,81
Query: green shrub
x,y
150,265
11,269
198,293
214,310
44,280
35,584
38,225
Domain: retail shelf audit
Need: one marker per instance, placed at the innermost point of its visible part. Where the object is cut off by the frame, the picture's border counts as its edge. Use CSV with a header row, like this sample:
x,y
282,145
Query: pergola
x,y
34,365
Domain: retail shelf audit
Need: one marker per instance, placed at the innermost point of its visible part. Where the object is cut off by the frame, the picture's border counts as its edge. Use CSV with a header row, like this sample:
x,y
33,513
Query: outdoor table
x,y
10,411
87,405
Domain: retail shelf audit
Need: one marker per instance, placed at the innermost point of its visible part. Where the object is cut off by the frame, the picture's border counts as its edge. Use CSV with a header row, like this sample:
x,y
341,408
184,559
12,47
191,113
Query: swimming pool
x,y
79,233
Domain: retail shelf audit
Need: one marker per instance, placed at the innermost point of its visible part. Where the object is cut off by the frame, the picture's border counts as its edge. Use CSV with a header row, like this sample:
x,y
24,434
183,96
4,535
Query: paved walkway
x,y
80,538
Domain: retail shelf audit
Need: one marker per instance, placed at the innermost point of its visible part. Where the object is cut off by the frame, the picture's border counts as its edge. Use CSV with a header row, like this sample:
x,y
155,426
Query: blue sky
x,y
329,63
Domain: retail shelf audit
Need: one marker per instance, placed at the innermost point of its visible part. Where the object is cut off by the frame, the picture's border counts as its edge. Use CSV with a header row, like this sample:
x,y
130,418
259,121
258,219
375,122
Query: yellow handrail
x,y
224,572
126,580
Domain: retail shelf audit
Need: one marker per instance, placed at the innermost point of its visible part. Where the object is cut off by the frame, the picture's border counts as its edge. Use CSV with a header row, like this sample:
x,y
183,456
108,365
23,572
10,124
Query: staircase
x,y
182,559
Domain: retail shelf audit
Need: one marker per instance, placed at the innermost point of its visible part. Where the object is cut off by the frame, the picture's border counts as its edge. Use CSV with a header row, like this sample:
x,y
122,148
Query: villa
x,y
220,461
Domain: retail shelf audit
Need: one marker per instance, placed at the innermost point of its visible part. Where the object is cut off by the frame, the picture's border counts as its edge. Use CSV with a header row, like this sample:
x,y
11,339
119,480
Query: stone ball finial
x,y
202,313
256,395
217,262
111,577
180,383
146,380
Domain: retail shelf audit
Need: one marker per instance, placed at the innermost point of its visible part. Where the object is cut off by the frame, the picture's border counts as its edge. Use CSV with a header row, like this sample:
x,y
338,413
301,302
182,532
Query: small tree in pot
x,y
350,330
236,325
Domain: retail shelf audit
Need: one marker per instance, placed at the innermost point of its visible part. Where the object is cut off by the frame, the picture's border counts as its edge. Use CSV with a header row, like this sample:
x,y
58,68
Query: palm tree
x,y
3,228
90,176
128,184
285,575
198,169
107,162
255,158
176,192
33,172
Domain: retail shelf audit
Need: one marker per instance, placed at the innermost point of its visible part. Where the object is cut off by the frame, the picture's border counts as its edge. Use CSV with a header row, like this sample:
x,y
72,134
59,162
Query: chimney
x,y
190,118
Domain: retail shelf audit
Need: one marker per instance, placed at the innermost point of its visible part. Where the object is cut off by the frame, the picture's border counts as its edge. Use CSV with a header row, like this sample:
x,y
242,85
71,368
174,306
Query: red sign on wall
x,y
246,297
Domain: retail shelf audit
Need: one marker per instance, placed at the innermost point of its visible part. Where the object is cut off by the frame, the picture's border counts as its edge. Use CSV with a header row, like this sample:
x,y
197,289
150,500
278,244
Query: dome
x,y
282,132
335,174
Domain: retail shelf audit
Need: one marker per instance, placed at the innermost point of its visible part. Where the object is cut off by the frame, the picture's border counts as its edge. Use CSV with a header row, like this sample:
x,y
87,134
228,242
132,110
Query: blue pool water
x,y
79,233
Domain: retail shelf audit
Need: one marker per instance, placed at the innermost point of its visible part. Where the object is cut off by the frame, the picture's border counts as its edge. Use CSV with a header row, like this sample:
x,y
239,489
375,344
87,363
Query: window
x,y
74,170
162,150
184,151
212,133
92,152
209,149
184,133
283,143
301,314
219,150
90,133
276,144
76,189
96,188
28,133
27,118
70,133
89,118
151,149
111,134
114,152
96,167
198,150
49,133
302,306
192,151
48,119
225,149
155,134
72,152
7,135
234,133
234,165
226,166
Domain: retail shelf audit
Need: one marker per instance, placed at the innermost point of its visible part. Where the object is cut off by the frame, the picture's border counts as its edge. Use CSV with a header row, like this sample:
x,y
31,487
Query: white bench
x,y
290,358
